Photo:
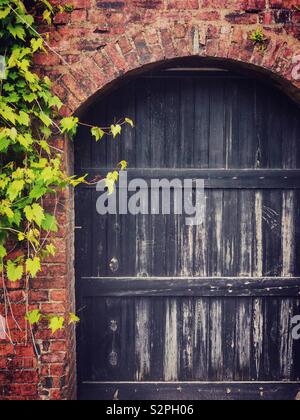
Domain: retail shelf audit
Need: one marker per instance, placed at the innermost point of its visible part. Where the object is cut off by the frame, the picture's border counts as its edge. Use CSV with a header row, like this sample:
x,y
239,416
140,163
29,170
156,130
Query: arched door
x,y
175,311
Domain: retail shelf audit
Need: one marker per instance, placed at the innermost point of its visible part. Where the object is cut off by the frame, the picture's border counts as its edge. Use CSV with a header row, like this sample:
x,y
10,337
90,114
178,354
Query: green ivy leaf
x,y
73,319
33,317
98,133
15,189
56,323
130,122
123,164
14,271
17,31
4,13
33,266
4,144
49,223
47,17
50,248
115,130
45,119
3,252
37,44
69,125
35,213
23,118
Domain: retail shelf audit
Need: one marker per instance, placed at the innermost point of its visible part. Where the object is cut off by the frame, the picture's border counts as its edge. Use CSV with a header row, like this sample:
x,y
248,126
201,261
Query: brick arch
x,y
137,51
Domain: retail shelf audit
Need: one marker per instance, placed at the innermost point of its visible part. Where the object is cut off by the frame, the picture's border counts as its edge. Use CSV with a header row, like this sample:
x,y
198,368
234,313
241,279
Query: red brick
x,y
27,351
58,295
54,358
57,370
26,377
78,16
57,346
6,349
242,18
25,390
53,308
38,296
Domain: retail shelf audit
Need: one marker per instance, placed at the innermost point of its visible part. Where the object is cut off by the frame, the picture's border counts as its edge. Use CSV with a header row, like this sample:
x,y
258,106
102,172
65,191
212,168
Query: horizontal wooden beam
x,y
180,286
213,178
183,391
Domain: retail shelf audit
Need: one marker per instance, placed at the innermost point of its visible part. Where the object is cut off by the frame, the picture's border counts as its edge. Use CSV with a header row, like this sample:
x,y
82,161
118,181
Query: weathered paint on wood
x,y
193,312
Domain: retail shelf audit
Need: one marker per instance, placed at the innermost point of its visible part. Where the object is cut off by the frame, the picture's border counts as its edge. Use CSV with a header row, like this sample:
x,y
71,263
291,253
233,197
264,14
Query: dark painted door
x,y
193,312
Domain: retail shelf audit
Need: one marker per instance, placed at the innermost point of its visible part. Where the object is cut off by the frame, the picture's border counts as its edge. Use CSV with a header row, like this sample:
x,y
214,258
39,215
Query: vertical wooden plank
x,y
143,124
246,124
186,340
143,246
171,350
98,152
159,244
216,224
216,343
201,340
114,111
128,140
187,250
202,127
230,310
257,340
172,241
286,339
247,214
297,234
142,339
158,123
258,239
243,339
127,340
272,216
275,130
100,251
172,123
288,233
229,237
187,123
271,344
158,338
114,352
217,126
201,245
83,227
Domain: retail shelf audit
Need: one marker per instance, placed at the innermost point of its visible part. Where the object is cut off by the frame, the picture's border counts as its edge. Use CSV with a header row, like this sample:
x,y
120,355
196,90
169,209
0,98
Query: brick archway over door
x,y
138,50
96,44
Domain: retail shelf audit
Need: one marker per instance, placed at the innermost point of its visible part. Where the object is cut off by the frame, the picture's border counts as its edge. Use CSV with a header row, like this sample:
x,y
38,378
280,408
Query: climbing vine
x,y
30,166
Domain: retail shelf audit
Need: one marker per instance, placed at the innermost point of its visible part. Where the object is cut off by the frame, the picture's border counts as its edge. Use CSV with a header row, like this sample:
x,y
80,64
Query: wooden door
x,y
171,311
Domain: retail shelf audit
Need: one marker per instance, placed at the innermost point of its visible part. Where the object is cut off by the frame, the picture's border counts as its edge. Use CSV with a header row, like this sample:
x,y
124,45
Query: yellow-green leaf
x,y
33,317
14,271
33,266
73,319
115,130
56,323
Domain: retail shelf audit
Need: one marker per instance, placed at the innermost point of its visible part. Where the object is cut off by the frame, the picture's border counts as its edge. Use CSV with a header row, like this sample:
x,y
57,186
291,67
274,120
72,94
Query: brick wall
x,y
97,43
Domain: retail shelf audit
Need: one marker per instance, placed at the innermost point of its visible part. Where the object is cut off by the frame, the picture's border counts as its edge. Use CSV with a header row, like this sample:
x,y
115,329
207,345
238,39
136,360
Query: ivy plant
x,y
30,166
